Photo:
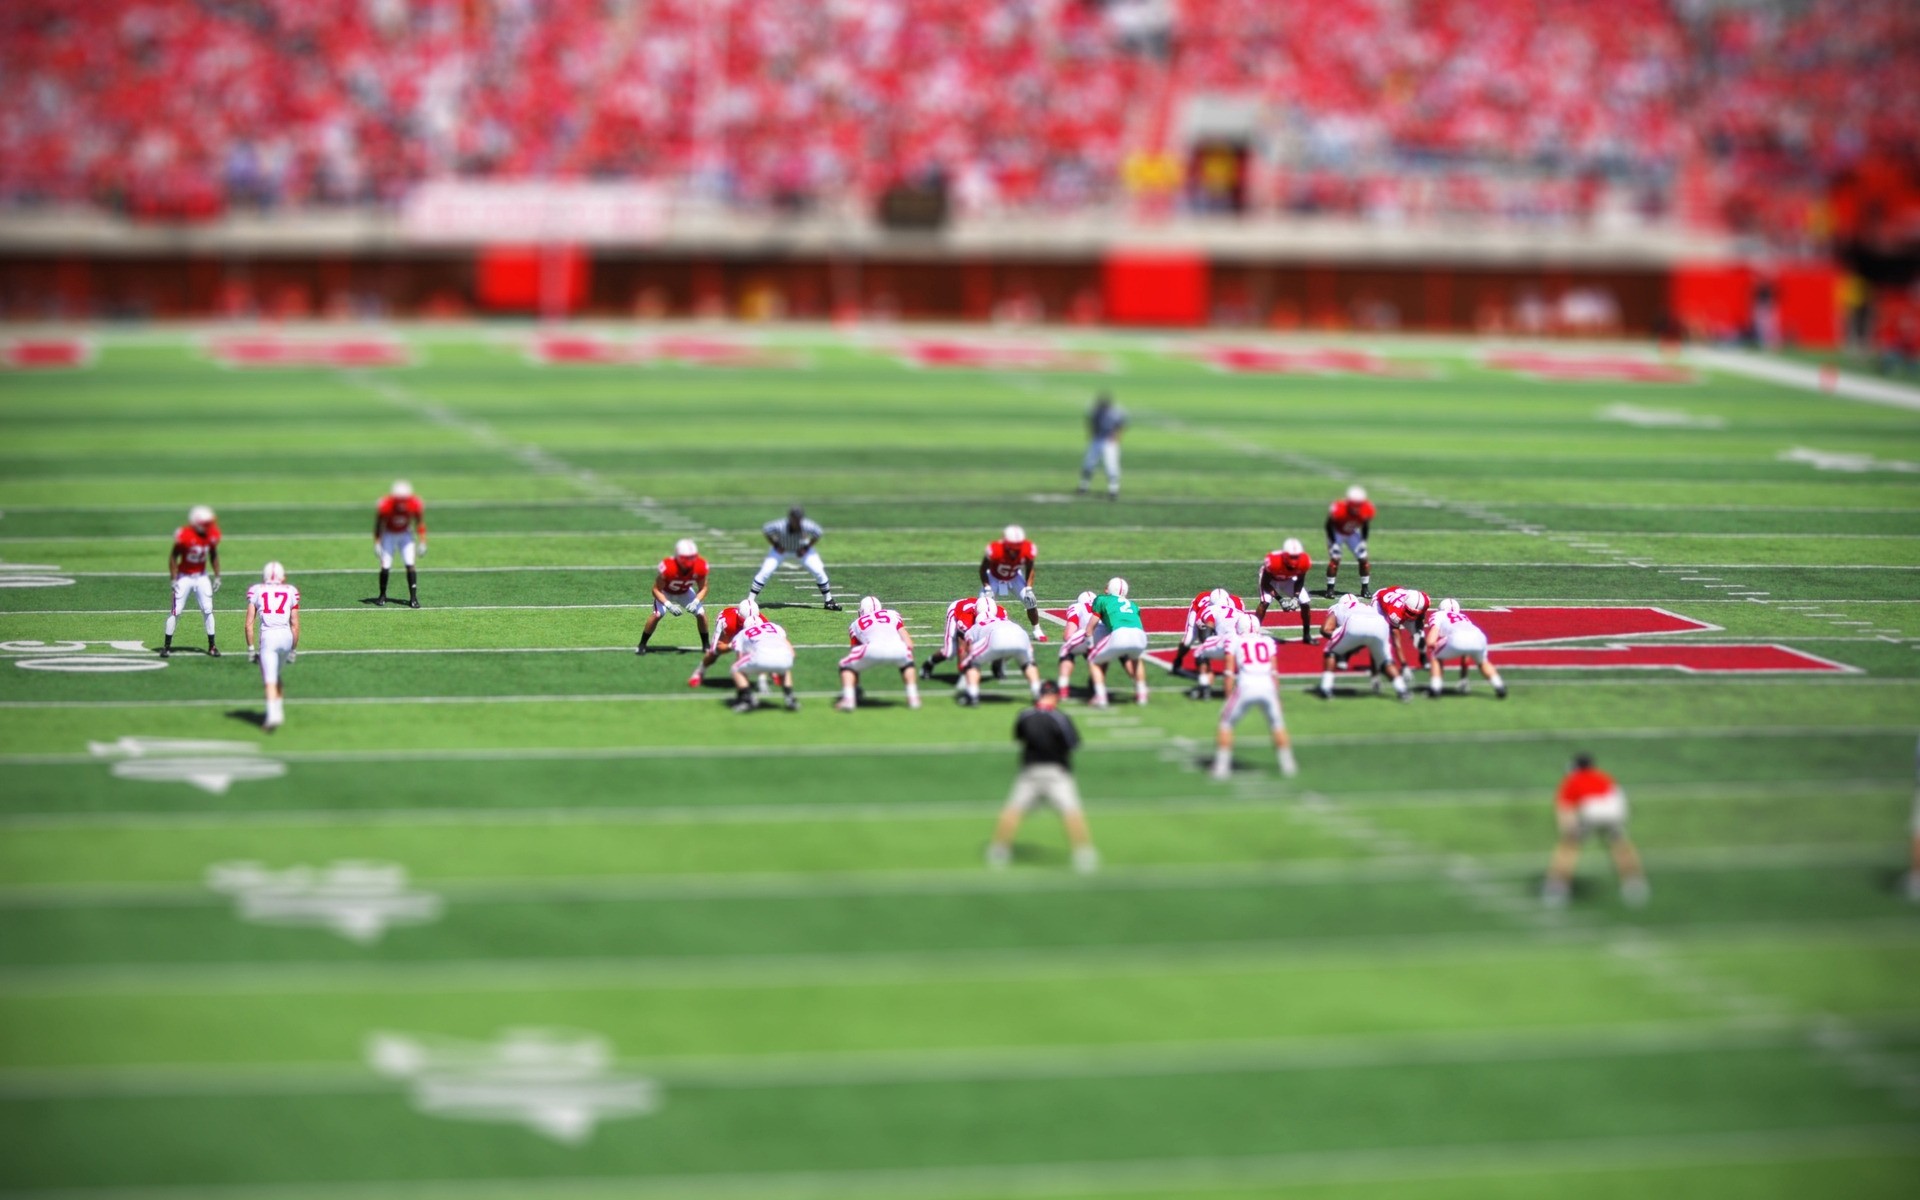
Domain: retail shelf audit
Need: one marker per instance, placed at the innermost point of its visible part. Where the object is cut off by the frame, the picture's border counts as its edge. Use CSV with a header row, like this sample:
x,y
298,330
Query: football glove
x,y
253,656
420,551
216,583
674,610
291,655
1289,604
1028,598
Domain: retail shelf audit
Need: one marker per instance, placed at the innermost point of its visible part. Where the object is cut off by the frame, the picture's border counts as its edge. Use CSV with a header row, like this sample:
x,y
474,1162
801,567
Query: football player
x,y
733,619
1249,656
274,604
679,587
760,648
1106,421
1078,639
1119,637
1283,585
400,526
1007,569
1450,633
1591,804
994,638
1349,521
193,569
1352,626
1405,609
960,617
797,535
1211,614
879,637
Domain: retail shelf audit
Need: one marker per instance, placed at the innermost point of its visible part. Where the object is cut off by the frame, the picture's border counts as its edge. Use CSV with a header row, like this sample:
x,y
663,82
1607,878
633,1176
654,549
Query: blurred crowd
x,y
1717,112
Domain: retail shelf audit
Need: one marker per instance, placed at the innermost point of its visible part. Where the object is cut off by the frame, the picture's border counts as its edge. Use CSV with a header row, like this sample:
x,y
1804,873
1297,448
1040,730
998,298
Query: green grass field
x,y
803,980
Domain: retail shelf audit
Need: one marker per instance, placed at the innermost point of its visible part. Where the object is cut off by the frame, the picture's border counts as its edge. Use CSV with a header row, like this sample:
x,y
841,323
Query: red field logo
x,y
1520,637
586,349
45,354
998,356
273,350
1602,368
1265,360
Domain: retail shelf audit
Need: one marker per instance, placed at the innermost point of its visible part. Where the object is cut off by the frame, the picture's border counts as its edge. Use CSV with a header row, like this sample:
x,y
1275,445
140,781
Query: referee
x,y
1105,423
1047,741
797,535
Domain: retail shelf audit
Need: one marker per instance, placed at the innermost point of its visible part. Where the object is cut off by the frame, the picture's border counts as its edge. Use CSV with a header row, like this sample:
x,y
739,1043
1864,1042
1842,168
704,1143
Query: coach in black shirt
x,y
1047,741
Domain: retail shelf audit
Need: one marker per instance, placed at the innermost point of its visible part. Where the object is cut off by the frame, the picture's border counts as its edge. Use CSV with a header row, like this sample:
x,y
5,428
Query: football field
x,y
507,911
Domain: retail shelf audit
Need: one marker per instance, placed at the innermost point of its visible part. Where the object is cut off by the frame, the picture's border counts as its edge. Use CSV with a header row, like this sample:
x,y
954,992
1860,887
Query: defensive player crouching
x,y
1211,615
1119,637
1591,804
1078,639
1352,626
1283,585
960,617
1249,656
759,648
994,638
1450,633
400,527
275,605
193,569
879,638
679,587
1349,521
1405,609
1007,569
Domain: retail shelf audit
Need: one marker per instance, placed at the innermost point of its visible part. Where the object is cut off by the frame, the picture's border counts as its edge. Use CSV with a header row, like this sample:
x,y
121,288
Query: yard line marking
x,y
1812,379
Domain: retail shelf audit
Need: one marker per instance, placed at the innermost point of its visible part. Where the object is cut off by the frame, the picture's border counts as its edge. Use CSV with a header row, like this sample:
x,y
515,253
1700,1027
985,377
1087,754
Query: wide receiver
x,y
679,587
193,569
400,527
994,638
1349,521
1451,633
1352,626
879,637
1211,614
1119,637
1283,585
1007,569
1405,609
1249,656
274,604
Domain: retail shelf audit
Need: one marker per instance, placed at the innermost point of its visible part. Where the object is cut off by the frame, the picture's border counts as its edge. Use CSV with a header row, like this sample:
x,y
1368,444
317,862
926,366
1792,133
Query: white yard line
x,y
1808,378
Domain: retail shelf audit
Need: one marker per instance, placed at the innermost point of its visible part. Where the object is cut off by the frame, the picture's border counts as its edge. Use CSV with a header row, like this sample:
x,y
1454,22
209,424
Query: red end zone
x,y
582,349
1003,356
1590,368
1262,360
1518,634
273,350
45,354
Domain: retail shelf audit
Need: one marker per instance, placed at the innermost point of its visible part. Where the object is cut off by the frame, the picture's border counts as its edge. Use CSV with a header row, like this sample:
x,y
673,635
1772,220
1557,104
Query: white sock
x,y
1100,693
973,690
1288,767
1400,685
1222,761
913,693
998,855
1086,859
846,693
1326,681
1497,684
173,623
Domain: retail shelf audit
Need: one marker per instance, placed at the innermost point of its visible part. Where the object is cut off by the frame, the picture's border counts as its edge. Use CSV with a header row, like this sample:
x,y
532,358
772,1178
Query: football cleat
x,y
413,604
1327,591
793,704
832,606
694,680
743,706
843,705
643,648
926,669
213,652
1039,635
1500,693
166,652
1199,693
1366,593
1325,693
380,601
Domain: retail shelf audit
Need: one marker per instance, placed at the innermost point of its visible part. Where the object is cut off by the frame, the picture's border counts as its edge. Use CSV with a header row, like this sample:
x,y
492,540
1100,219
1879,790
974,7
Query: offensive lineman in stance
x,y
879,637
1450,633
760,648
797,535
1078,638
1249,656
993,639
1352,626
400,525
274,604
1121,636
193,568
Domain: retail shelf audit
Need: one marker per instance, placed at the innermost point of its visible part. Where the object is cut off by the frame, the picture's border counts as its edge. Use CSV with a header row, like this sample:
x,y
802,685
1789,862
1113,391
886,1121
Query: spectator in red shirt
x,y
1591,804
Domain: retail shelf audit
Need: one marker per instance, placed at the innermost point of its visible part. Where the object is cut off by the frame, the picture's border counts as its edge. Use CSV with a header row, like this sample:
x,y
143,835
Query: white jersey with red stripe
x,y
876,631
1204,617
275,602
1080,623
760,635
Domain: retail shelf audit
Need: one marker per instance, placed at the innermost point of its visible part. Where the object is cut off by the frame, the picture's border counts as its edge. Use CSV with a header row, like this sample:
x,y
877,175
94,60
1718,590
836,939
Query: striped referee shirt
x,y
787,540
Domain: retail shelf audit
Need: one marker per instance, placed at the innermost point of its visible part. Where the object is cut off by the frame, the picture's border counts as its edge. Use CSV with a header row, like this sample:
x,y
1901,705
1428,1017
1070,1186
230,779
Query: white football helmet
x,y
1013,533
685,548
1356,493
1347,600
1449,605
402,488
986,610
273,572
1246,623
1117,587
1220,598
749,609
870,605
200,514
1085,599
1292,546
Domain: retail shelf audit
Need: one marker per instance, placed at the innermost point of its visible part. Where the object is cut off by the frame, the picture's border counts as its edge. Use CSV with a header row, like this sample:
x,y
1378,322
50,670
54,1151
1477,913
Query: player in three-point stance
x,y
1591,804
1249,656
734,621
1352,626
274,605
193,569
1120,637
1007,569
879,637
994,638
1405,609
796,535
1106,421
1451,633
960,617
1211,614
1283,585
760,648
400,527
1078,638
679,587
1349,521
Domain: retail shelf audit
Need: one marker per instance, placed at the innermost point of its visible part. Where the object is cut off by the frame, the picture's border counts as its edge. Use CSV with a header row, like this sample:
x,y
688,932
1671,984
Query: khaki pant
x,y
1044,784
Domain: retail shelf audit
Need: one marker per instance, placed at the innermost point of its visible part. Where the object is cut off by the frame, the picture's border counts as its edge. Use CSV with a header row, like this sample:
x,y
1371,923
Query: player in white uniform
x,y
273,605
1078,639
760,648
797,535
993,639
1450,633
1251,686
879,637
1352,626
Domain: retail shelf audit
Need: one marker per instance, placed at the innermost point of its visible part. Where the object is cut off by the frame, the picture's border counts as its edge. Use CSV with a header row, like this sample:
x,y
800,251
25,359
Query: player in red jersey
x,y
960,618
1007,569
1405,610
1349,522
1283,584
193,569
400,527
733,619
1211,614
1591,804
679,587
